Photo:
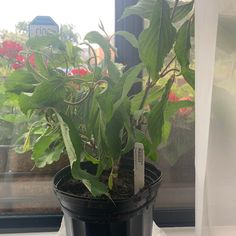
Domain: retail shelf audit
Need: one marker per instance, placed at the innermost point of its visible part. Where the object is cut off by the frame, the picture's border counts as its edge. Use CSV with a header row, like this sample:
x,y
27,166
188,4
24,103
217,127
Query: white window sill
x,y
169,232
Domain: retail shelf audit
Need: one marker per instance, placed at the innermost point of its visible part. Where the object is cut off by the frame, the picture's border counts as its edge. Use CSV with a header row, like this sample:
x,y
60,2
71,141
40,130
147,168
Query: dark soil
x,y
123,189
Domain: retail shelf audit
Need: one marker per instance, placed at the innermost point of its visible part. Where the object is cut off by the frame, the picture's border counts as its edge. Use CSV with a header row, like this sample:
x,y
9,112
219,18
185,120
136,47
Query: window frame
x,y
164,217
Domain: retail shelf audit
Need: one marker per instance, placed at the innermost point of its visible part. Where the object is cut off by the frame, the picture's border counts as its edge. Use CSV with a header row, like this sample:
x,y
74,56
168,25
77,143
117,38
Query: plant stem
x,y
94,54
148,86
167,66
168,71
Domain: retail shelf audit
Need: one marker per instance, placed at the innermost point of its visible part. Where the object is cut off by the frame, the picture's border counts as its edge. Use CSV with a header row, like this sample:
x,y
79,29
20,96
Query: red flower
x,y
8,44
32,59
10,49
20,58
172,97
81,72
17,65
186,110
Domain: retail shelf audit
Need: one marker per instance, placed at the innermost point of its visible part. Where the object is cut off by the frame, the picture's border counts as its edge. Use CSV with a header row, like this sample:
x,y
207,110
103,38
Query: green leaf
x,y
129,131
13,118
182,50
189,76
166,131
182,11
183,45
105,105
49,93
153,95
110,181
74,150
149,151
157,40
20,81
90,158
68,141
43,143
129,37
156,116
97,38
40,65
47,148
49,156
26,103
173,107
127,81
112,135
143,8
114,73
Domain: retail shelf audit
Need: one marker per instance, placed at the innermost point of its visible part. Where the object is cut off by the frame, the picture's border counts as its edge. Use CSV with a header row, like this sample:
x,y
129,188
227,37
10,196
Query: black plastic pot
x,y
102,217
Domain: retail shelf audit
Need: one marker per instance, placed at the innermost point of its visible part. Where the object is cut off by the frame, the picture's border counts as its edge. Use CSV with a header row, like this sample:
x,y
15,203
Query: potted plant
x,y
87,113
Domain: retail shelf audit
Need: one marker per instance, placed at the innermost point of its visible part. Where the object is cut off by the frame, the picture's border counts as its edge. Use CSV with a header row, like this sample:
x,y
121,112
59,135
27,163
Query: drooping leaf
x,y
182,11
127,81
65,131
112,134
182,50
105,105
149,151
40,65
129,37
74,150
49,93
189,76
153,95
97,38
129,130
183,45
13,118
114,73
20,81
143,8
166,131
156,116
48,157
26,103
157,40
43,143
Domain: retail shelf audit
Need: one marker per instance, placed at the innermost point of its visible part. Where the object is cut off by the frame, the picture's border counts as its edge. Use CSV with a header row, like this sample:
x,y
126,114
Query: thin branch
x,y
167,66
168,71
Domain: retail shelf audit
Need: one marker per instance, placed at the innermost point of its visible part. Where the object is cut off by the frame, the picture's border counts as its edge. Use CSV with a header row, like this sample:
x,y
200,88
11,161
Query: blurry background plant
x,y
10,57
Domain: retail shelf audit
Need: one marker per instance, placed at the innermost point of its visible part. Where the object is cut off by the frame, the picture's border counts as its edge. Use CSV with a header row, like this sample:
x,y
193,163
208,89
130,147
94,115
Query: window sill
x,y
180,231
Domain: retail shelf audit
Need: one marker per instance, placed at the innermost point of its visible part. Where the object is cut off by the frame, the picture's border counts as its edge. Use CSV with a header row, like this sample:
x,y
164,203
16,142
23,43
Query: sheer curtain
x,y
215,117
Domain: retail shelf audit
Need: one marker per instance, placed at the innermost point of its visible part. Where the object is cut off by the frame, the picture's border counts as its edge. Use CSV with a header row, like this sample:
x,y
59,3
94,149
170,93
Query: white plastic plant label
x,y
138,167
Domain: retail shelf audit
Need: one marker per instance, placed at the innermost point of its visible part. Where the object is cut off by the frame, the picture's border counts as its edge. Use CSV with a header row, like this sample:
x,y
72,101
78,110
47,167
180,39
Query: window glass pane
x,y
27,190
23,188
